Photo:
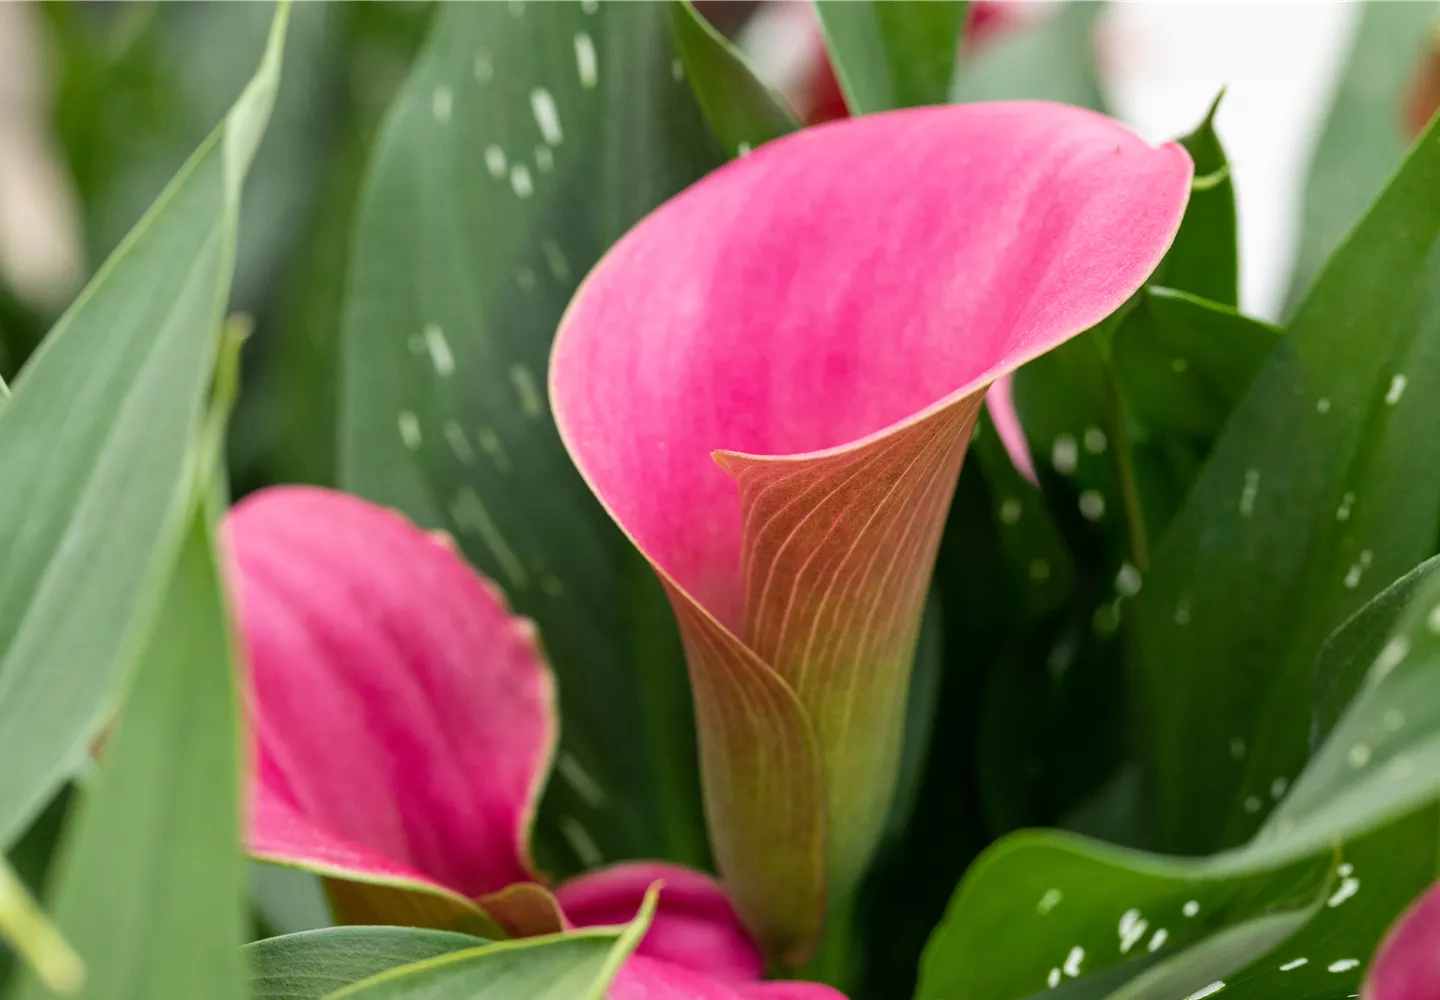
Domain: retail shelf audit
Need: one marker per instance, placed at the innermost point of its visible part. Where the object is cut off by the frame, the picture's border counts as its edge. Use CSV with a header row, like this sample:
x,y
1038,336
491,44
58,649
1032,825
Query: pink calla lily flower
x,y
1407,964
771,382
403,727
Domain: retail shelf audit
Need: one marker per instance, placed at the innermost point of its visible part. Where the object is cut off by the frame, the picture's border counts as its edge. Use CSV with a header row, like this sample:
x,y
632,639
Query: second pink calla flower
x,y
403,724
770,383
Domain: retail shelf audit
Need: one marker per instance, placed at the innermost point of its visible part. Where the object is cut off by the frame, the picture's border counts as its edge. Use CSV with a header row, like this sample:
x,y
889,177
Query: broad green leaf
x,y
741,110
97,434
1363,140
1350,651
149,887
527,140
577,965
1053,60
896,54
31,860
1184,363
1203,260
313,964
1322,488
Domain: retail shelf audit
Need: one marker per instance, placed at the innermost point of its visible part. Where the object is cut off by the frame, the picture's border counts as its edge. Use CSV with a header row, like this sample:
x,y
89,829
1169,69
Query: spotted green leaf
x,y
1363,141
741,110
527,139
313,964
149,885
94,443
1322,488
577,965
897,54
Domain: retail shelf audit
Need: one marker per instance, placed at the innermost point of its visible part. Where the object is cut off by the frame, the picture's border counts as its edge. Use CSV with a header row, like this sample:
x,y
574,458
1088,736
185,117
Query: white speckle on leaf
x,y
1396,390
547,115
580,780
1347,888
1073,960
490,442
1345,870
1191,908
1157,940
586,63
544,159
1048,902
1293,964
1252,803
743,149
1432,620
459,443
484,66
580,841
1278,786
1179,365
1398,767
1356,571
1322,405
470,516
1237,747
677,69
1249,492
1132,928
1092,505
1391,656
1359,755
1053,980
1010,510
409,430
589,6
1128,580
441,102
1206,991
1393,720
1342,513
521,181
440,354
555,257
526,389
495,161
1182,611
1063,454
1343,965
525,278
1095,441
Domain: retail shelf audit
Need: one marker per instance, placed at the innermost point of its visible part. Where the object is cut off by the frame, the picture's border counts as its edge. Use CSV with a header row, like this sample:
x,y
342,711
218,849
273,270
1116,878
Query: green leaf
x,y
741,110
1185,363
97,435
31,860
527,140
150,883
1348,654
1322,489
313,964
897,54
578,965
1203,260
1363,141
1053,60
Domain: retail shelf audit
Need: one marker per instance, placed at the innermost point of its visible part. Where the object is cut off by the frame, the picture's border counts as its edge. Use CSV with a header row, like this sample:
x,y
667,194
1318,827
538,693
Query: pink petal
x,y
1407,965
404,720
652,979
823,317
1001,400
694,924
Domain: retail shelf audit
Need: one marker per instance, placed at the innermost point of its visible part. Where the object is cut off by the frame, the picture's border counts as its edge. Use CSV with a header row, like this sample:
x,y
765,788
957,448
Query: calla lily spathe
x,y
403,725
770,384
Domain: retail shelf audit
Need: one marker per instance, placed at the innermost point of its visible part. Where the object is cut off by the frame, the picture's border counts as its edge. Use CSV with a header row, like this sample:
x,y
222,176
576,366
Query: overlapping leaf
x,y
314,964
97,434
1322,488
528,138
896,54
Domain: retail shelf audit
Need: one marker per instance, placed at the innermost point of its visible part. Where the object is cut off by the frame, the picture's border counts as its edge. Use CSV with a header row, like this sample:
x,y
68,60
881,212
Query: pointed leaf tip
x,y
831,338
